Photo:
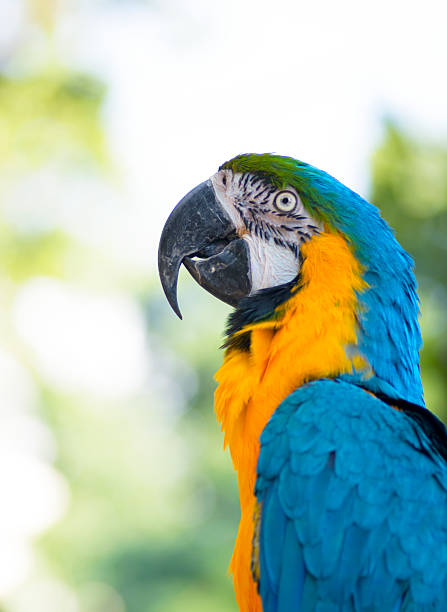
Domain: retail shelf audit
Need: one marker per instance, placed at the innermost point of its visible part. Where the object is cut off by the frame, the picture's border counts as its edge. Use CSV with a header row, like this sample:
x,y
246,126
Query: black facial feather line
x,y
252,188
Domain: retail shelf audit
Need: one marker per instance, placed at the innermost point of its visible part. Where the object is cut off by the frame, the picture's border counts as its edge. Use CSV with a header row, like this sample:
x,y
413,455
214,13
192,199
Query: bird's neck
x,y
311,335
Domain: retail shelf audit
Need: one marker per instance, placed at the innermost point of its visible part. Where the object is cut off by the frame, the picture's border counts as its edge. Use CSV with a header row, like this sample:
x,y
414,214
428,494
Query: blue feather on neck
x,y
389,334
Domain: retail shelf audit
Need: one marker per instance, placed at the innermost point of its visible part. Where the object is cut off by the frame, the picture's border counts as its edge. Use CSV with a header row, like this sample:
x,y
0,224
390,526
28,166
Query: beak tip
x,y
171,295
168,272
175,308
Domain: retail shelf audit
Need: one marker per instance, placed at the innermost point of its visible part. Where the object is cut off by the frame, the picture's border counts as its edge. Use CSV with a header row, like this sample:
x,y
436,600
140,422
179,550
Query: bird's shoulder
x,y
332,414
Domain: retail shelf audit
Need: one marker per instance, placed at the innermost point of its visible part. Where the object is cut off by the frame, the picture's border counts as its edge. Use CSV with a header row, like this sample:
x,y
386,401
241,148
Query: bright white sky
x,y
193,83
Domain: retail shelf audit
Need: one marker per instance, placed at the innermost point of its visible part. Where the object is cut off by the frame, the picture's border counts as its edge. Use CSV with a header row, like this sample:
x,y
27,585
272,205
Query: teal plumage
x,y
354,506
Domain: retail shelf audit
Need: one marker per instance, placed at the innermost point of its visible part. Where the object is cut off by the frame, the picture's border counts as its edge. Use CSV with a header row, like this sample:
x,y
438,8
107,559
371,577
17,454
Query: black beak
x,y
200,234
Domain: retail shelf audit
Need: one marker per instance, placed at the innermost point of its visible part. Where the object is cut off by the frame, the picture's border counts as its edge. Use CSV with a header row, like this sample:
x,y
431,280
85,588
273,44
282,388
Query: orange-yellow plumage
x,y
308,339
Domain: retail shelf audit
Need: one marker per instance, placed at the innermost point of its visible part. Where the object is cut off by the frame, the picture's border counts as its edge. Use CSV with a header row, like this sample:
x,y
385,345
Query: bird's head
x,y
245,232
240,231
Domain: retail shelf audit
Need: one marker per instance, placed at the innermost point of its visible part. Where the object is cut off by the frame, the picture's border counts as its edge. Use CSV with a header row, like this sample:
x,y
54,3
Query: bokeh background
x,y
115,493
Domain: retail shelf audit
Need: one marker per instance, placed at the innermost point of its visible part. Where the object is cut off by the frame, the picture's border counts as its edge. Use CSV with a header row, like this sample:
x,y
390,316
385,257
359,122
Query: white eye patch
x,y
273,223
270,265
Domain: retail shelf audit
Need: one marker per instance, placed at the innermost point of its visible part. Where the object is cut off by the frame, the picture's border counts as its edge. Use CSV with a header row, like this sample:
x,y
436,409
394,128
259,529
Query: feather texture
x,y
361,498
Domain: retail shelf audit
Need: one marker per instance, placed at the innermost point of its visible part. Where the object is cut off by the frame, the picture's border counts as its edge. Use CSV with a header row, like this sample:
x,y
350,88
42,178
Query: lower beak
x,y
200,234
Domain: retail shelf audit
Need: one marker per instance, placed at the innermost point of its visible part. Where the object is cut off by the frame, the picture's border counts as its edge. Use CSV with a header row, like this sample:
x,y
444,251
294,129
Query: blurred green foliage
x,y
161,546
409,184
48,115
160,543
160,535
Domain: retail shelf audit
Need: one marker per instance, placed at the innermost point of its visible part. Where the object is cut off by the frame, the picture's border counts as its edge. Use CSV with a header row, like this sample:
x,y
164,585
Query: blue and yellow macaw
x,y
342,470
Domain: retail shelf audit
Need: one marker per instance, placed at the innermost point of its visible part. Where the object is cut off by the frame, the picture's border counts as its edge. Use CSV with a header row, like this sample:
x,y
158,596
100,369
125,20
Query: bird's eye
x,y
285,201
224,180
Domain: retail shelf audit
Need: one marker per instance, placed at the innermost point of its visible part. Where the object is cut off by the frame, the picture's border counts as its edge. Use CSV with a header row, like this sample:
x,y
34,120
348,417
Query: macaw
x,y
342,469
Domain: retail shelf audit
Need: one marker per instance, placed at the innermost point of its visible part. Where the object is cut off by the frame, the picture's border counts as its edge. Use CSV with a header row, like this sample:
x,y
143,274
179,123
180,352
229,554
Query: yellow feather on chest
x,y
306,340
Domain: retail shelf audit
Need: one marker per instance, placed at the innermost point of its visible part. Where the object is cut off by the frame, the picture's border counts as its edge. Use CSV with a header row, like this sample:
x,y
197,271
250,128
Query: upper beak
x,y
199,226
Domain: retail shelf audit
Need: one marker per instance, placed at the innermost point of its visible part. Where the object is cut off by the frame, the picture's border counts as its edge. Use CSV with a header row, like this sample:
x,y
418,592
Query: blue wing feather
x,y
354,506
291,582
